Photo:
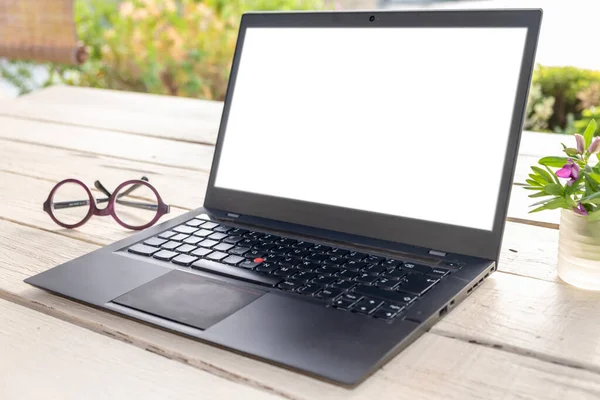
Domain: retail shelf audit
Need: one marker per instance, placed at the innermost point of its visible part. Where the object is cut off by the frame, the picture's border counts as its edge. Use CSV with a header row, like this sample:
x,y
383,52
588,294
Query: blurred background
x,y
184,48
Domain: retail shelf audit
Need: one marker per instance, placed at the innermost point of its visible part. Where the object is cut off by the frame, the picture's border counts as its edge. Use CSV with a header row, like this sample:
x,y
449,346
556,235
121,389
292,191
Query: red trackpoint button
x,y
259,260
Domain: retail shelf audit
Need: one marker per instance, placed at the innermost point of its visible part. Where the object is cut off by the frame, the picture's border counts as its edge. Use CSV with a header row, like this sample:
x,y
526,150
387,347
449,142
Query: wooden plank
x,y
65,361
460,370
104,142
179,187
189,120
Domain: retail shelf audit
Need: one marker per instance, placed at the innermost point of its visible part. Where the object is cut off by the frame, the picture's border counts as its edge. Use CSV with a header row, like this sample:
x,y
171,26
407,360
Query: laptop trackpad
x,y
188,299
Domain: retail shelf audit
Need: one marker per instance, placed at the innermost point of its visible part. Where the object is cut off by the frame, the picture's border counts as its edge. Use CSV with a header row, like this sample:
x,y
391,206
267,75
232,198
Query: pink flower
x,y
569,171
580,143
595,146
580,209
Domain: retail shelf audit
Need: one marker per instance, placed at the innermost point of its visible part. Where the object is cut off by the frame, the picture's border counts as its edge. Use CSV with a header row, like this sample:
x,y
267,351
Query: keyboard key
x,y
192,240
310,290
269,238
156,242
374,259
343,304
238,231
207,243
204,217
184,259
375,269
347,274
390,262
384,313
305,276
267,267
274,259
366,279
394,275
239,251
165,255
223,247
201,252
254,235
255,254
329,294
285,272
233,239
317,258
289,285
233,260
342,284
411,267
279,250
387,284
180,237
397,308
222,229
338,252
334,260
366,306
355,265
235,272
209,225
217,236
264,246
248,264
438,272
298,253
188,230
324,280
416,284
327,270
195,223
352,296
387,295
203,233
286,242
171,245
143,250
320,249
289,262
185,248
167,235
248,243
356,256
307,266
217,256
302,245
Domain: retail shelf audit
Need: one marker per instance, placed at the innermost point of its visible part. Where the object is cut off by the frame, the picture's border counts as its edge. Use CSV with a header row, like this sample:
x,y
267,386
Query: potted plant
x,y
572,183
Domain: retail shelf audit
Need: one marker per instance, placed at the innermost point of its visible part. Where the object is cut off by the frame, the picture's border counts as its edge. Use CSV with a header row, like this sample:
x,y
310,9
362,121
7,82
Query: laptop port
x,y
443,311
452,302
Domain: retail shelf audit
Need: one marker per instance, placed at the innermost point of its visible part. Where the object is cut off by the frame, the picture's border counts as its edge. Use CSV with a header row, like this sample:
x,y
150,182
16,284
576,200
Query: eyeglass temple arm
x,y
102,188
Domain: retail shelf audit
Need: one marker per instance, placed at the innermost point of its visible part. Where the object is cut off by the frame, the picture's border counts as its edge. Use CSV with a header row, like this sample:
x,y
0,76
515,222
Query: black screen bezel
x,y
427,234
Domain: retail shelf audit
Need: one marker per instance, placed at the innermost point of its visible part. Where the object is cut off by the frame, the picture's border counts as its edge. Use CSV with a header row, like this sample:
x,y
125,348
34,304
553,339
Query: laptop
x,y
358,191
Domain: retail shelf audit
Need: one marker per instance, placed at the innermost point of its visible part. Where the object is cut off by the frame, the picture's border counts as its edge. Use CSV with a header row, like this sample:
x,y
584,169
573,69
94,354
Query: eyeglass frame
x,y
161,207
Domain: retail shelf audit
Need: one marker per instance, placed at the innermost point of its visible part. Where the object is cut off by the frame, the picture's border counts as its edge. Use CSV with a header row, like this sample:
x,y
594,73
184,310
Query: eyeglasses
x,y
135,204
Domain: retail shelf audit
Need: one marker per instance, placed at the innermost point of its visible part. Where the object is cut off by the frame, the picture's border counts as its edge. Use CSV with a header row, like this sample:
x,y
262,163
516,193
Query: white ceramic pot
x,y
579,251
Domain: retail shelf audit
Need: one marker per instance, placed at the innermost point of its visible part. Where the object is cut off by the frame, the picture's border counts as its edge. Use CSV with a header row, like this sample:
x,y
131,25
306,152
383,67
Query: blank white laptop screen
x,y
410,122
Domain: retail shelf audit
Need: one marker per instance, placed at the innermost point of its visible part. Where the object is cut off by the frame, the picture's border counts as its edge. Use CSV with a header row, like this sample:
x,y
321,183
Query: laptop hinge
x,y
232,215
437,253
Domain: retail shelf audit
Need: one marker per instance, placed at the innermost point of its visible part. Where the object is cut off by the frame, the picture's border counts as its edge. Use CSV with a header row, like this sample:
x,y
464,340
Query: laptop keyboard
x,y
348,280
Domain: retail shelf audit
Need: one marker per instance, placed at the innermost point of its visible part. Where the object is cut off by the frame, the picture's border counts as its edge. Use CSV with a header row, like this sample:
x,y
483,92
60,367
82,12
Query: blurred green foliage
x,y
174,47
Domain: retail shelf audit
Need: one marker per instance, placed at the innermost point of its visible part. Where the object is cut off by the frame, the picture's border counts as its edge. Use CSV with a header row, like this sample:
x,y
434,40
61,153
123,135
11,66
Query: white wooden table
x,y
522,334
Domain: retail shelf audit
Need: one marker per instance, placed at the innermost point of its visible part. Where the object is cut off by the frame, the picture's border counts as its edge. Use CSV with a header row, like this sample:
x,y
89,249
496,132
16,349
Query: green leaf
x,y
595,216
570,202
540,194
588,135
546,176
591,199
594,176
554,189
552,174
533,183
544,201
552,205
532,188
557,162
538,179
